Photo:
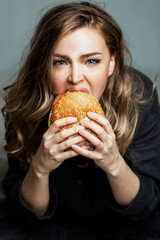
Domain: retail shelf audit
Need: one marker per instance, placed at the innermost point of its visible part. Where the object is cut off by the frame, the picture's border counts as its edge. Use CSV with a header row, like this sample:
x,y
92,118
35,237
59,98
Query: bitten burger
x,y
73,104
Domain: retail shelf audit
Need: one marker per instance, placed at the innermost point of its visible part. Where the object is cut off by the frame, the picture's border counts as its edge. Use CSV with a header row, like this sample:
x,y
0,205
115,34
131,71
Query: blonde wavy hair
x,y
28,100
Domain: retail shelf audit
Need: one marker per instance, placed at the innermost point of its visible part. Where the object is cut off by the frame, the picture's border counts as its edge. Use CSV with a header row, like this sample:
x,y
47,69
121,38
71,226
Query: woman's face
x,y
81,62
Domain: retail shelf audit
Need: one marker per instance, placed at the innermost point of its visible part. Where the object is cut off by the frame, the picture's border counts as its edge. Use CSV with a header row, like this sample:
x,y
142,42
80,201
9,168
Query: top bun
x,y
74,104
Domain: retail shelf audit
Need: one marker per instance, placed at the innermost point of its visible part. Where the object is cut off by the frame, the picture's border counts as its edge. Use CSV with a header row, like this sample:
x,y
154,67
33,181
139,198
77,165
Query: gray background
x,y
139,20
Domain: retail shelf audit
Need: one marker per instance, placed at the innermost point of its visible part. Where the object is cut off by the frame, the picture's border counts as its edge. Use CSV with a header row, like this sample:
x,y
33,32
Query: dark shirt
x,y
81,202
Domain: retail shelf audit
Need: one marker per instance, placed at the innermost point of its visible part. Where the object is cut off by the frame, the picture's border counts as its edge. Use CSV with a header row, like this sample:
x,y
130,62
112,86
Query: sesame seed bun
x,y
74,104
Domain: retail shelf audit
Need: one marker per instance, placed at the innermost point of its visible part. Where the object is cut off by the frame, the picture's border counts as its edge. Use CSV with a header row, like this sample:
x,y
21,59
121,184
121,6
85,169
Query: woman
x,y
116,194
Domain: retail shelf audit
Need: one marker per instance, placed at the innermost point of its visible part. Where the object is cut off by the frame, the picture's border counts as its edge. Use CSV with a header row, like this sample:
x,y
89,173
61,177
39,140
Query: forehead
x,y
82,38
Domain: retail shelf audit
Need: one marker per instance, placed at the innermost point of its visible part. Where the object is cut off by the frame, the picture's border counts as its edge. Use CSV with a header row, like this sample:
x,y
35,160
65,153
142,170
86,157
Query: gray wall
x,y
139,19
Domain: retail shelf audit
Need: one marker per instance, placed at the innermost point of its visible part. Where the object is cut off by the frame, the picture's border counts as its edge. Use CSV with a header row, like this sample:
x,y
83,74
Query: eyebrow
x,y
82,56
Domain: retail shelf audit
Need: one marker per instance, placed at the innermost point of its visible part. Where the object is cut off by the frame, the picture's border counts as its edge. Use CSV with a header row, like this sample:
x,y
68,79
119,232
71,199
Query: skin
x,y
79,62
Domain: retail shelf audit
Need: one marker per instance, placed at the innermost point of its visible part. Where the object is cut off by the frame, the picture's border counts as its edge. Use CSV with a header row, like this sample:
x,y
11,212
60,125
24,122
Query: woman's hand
x,y
55,146
106,154
123,181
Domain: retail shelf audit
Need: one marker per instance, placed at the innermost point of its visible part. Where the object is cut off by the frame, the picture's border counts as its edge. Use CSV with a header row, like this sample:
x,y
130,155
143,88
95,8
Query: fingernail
x,y
84,119
91,114
74,118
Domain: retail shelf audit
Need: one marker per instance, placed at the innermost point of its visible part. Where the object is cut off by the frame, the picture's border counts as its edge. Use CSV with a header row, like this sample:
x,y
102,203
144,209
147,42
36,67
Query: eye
x,y
58,62
93,61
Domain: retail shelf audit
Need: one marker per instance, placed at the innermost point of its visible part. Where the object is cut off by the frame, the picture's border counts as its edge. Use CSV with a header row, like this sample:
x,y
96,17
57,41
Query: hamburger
x,y
73,104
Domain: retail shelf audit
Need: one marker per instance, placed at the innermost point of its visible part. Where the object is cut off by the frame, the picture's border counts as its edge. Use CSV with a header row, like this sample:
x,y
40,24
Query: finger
x,y
61,136
95,128
92,139
60,157
86,153
56,125
101,120
69,142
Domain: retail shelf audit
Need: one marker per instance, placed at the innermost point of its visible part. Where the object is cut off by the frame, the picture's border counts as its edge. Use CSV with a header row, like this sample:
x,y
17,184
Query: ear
x,y
111,65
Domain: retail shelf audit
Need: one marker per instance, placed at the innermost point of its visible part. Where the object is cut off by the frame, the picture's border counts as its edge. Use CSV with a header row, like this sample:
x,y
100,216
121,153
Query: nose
x,y
76,74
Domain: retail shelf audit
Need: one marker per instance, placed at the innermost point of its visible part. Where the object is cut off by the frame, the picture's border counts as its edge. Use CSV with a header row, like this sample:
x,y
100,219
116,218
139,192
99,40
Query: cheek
x,y
101,87
53,80
56,82
59,75
100,78
99,83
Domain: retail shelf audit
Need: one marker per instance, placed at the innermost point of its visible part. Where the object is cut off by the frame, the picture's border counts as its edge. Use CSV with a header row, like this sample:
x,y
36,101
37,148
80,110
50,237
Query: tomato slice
x,y
57,98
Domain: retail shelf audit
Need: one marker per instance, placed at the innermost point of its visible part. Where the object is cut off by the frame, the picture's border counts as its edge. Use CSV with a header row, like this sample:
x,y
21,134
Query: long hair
x,y
29,98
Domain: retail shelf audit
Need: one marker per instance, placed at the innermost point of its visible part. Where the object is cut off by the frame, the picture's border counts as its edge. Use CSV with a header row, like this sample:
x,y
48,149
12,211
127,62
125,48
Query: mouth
x,y
77,89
